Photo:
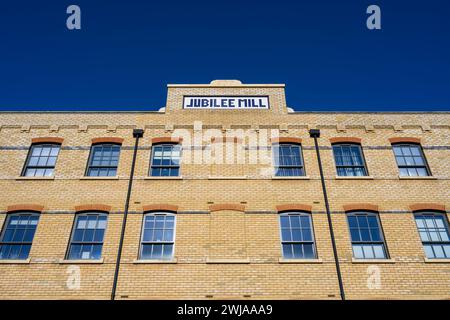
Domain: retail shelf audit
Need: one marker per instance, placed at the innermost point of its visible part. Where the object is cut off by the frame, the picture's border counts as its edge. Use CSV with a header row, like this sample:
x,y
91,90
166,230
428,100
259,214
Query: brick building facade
x,y
223,234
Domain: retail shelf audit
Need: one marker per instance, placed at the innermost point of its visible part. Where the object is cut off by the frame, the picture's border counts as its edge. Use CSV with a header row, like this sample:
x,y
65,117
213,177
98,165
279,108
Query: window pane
x,y
446,248
295,221
25,251
375,234
286,235
14,252
18,235
368,252
168,235
98,236
96,251
86,251
358,252
146,252
287,251
429,251
308,251
379,252
284,221
362,221
297,251
157,251
438,251
296,235
352,222
307,236
167,251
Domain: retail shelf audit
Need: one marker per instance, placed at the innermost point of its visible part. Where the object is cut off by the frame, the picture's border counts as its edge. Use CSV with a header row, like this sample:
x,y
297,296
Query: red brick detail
x,y
47,140
360,206
25,207
160,207
286,140
294,207
404,140
345,140
114,140
427,206
167,140
226,140
93,207
227,206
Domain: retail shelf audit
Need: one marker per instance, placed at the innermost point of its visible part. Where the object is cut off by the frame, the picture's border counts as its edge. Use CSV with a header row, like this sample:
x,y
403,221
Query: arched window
x,y
41,160
165,160
349,159
434,233
288,160
297,238
103,160
87,236
410,160
158,236
366,235
17,235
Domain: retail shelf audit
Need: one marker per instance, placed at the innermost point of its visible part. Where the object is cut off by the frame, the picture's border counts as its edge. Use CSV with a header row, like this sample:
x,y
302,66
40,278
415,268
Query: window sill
x,y
354,178
227,177
13,261
300,261
427,260
164,178
373,261
35,178
100,178
417,178
149,261
291,178
81,261
227,261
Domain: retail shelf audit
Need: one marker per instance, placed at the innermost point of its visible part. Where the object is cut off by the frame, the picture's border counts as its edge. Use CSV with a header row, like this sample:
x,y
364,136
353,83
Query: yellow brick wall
x,y
205,240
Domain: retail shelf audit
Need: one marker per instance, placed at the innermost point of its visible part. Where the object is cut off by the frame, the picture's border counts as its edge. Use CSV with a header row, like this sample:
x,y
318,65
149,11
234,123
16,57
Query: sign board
x,y
226,102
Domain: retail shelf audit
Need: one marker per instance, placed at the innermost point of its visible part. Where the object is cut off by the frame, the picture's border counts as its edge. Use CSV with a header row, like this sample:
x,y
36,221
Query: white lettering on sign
x,y
226,102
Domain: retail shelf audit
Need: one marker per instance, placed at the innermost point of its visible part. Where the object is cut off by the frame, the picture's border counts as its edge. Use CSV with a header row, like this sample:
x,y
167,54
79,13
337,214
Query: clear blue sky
x,y
127,51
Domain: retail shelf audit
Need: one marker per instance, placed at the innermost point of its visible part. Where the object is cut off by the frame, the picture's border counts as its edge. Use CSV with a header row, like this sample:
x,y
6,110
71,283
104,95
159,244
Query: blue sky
x,y
127,51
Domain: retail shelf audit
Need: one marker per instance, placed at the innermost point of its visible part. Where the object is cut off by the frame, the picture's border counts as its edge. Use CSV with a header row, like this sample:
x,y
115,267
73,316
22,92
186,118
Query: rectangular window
x,y
103,160
433,230
158,234
349,160
41,160
366,236
87,236
297,239
165,160
410,160
17,236
288,160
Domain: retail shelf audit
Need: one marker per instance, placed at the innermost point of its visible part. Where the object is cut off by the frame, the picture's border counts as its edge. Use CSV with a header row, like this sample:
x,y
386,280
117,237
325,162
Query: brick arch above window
x,y
160,207
167,140
345,140
93,207
25,207
404,140
227,206
55,140
286,140
294,207
360,206
226,140
114,140
427,206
